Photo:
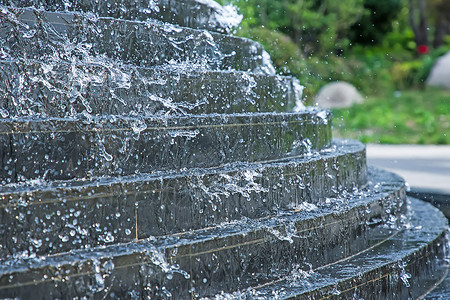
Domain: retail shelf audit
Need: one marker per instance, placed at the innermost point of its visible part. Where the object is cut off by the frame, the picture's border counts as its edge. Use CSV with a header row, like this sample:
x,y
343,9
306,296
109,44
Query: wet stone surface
x,y
64,149
102,212
202,14
261,246
145,152
66,37
68,90
405,264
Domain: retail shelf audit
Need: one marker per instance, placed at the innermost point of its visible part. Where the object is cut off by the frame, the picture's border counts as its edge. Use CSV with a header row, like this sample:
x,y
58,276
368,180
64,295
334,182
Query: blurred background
x,y
386,50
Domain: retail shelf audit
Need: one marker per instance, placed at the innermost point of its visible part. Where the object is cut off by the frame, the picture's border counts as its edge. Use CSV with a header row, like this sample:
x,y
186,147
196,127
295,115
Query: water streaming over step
x,y
147,153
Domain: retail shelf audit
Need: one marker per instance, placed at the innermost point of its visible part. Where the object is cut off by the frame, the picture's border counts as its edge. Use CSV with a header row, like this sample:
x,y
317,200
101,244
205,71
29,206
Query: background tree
x,y
376,22
418,21
369,43
440,10
423,15
316,26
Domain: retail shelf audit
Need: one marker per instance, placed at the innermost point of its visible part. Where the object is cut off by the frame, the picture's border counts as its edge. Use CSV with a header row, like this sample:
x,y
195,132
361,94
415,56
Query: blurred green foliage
x,y
410,117
368,43
320,26
376,21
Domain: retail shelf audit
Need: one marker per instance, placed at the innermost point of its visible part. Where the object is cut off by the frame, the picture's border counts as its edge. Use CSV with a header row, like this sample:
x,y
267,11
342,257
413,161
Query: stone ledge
x,y
60,149
80,214
404,265
37,89
36,34
183,261
187,13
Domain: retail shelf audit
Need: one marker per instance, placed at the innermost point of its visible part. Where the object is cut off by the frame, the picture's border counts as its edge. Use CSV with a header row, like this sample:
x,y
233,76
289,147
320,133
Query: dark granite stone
x,y
65,90
406,264
187,13
112,146
143,159
228,257
72,215
70,37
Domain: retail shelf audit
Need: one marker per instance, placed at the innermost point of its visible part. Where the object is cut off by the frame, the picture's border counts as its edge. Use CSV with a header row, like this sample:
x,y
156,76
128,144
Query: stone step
x,y
441,290
70,37
61,149
224,258
188,13
33,88
406,265
39,217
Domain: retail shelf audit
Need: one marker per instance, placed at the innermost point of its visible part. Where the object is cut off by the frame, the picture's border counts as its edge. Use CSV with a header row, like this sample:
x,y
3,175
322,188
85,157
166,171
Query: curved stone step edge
x,y
10,194
110,123
198,14
413,264
125,89
61,214
244,232
186,47
64,149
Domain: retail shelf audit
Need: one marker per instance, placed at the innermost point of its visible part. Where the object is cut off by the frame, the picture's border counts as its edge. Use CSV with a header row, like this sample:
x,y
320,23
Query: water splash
x,y
226,17
303,206
298,92
86,70
287,232
157,258
244,183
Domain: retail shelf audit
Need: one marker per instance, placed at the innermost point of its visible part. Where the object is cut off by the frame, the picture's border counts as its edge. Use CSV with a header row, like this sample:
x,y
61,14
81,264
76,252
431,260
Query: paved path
x,y
423,167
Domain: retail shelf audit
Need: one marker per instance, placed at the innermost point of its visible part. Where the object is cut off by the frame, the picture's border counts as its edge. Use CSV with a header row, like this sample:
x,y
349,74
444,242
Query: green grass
x,y
408,117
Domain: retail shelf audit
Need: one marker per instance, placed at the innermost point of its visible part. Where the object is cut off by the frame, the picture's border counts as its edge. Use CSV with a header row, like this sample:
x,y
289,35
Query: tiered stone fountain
x,y
146,153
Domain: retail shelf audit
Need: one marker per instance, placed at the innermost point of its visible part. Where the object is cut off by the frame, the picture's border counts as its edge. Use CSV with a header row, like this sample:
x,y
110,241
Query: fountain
x,y
148,153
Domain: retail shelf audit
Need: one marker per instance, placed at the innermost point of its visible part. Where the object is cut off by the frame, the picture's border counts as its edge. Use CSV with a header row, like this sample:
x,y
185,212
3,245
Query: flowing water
x,y
144,158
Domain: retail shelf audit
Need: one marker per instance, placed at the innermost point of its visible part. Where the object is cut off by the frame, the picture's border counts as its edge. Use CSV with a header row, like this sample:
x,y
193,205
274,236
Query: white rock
x,y
440,73
337,95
